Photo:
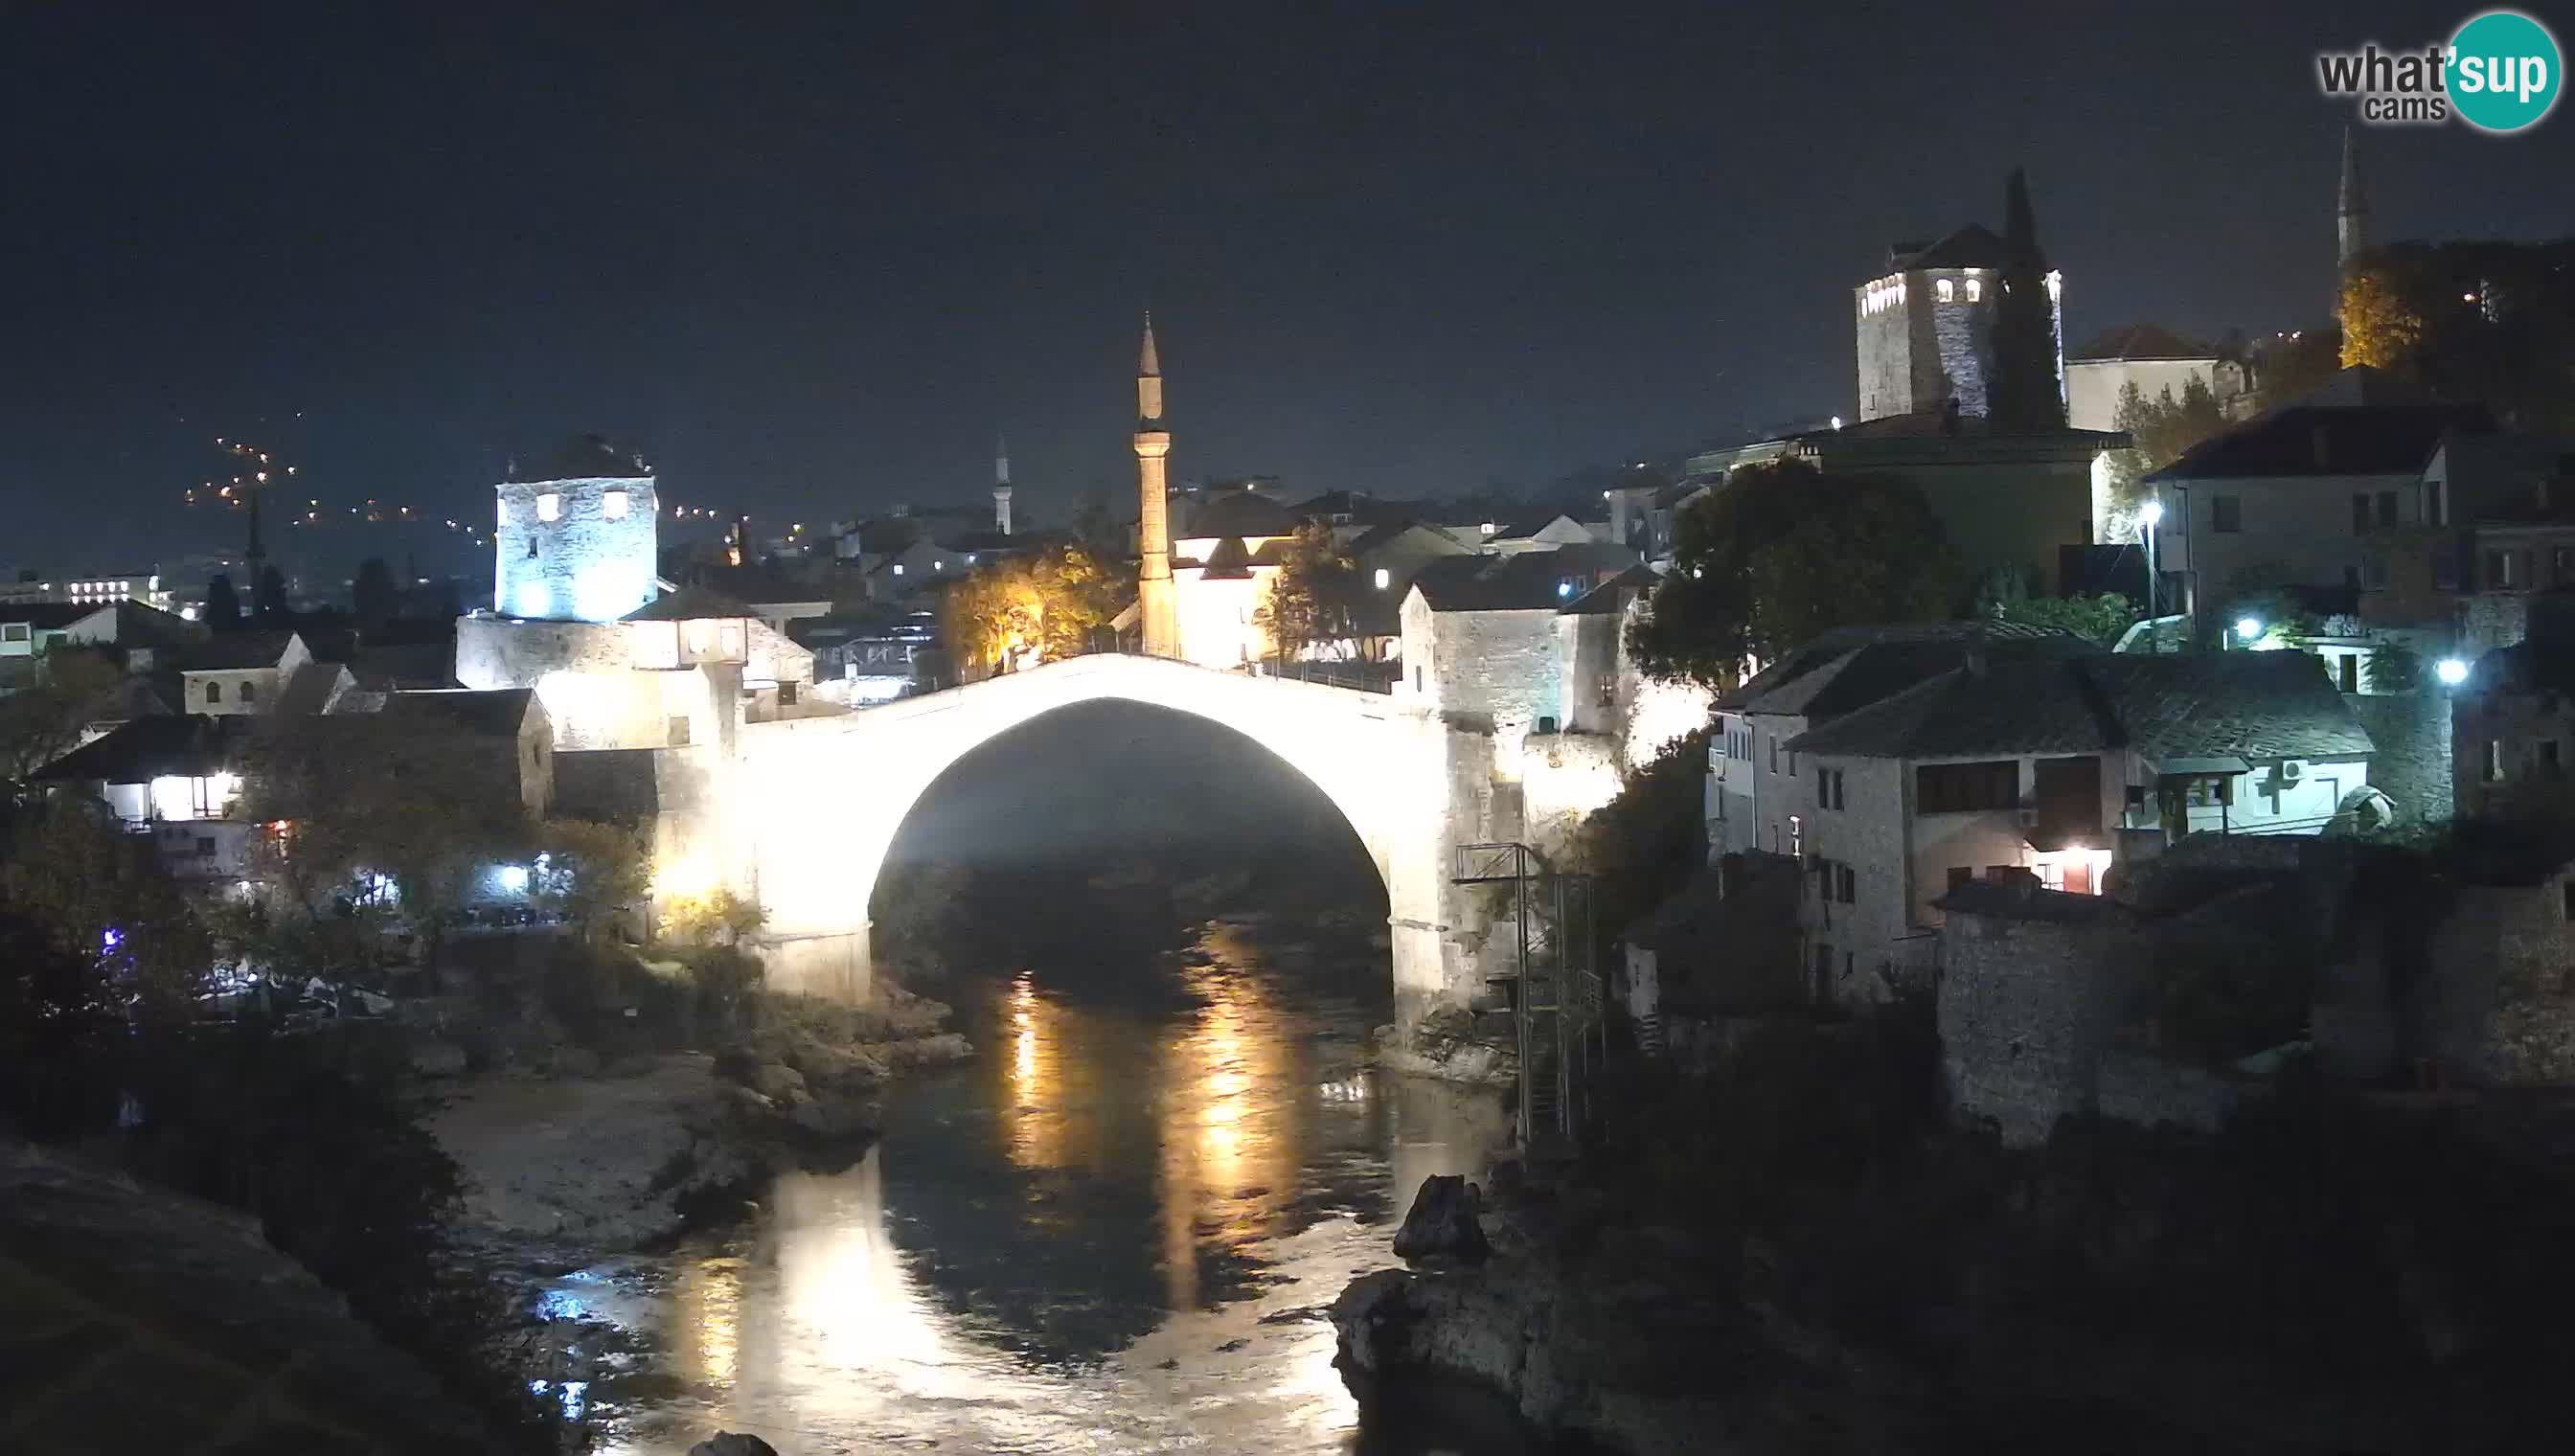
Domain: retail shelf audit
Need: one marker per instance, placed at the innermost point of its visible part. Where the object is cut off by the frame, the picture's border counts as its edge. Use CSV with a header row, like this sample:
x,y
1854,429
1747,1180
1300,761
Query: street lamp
x,y
2152,515
2451,671
2247,629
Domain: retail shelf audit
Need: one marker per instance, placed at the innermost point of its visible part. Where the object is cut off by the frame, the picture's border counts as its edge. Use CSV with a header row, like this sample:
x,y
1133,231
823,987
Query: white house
x,y
242,672
2051,769
174,776
2157,360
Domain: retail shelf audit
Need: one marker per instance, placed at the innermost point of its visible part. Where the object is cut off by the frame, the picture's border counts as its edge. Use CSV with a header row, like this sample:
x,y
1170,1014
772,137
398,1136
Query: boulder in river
x,y
1442,1223
733,1443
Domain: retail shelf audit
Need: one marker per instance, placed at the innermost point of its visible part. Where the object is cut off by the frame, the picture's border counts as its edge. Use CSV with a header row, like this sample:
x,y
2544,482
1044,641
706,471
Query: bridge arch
x,y
820,800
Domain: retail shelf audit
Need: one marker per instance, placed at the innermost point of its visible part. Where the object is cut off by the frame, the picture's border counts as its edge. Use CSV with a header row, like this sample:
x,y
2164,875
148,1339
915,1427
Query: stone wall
x,y
1497,670
2412,764
584,564
2146,1090
2026,1007
2500,1008
1962,337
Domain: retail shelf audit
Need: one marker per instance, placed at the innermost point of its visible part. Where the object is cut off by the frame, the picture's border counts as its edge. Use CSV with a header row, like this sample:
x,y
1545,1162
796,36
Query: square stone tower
x,y
1926,327
578,536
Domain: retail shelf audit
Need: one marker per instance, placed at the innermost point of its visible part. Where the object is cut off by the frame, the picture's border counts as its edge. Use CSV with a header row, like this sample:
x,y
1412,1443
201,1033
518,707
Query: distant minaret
x,y
1156,606
2351,213
1002,486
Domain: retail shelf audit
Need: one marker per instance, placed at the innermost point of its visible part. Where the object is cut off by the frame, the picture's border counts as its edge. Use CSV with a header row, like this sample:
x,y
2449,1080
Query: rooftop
x,y
2253,705
2140,341
582,458
497,711
182,745
1239,513
237,651
1528,580
2328,439
1792,684
689,603
1973,246
2023,898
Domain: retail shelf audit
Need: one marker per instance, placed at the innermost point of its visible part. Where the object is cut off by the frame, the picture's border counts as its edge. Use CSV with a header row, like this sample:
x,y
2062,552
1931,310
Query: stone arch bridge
x,y
815,802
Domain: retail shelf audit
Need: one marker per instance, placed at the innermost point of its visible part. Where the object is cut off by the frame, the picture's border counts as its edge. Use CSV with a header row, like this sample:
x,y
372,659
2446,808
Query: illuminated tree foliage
x,y
1017,612
2380,328
1783,552
43,722
2489,323
1314,598
2161,430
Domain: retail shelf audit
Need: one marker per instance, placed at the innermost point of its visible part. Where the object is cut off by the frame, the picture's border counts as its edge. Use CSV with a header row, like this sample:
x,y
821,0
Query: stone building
x,y
576,536
2156,361
2049,770
1925,327
2512,722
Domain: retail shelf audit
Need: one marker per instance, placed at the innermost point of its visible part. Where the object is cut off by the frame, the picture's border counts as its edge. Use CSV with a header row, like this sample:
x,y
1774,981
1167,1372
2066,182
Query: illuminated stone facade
x,y
576,548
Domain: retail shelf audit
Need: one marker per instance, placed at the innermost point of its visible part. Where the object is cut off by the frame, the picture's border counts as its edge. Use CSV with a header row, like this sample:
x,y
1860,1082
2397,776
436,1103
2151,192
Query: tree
x,y
41,723
1016,611
1313,600
2304,362
2380,328
1782,552
592,870
922,908
712,918
103,904
223,608
2103,618
2160,431
373,598
268,595
2392,668
2025,393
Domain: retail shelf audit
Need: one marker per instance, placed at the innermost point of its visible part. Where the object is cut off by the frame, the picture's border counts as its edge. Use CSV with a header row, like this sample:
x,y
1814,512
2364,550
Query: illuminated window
x,y
214,692
549,507
612,503
1383,577
505,513
897,569
1948,291
1975,290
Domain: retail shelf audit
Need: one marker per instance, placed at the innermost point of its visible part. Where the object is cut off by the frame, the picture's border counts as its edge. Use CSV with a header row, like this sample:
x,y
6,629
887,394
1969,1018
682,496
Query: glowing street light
x,y
2451,671
2247,629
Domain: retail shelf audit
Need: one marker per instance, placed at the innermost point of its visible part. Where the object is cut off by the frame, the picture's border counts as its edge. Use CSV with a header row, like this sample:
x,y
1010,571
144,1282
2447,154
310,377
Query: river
x,y
1114,1231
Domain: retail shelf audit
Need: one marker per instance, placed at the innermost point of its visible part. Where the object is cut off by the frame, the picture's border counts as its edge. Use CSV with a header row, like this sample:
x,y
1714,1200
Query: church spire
x,y
2351,208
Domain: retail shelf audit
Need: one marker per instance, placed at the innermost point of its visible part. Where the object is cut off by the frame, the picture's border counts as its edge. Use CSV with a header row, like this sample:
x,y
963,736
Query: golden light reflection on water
x,y
707,1341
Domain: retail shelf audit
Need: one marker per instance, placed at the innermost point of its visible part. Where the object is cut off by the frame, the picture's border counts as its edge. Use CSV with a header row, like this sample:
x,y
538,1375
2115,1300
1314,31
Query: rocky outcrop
x,y
1448,1047
1442,1223
134,1320
733,1443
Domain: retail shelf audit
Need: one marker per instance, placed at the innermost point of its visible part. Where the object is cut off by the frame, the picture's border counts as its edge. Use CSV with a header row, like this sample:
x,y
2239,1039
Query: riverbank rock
x,y
1442,1223
1446,1045
733,1443
139,1319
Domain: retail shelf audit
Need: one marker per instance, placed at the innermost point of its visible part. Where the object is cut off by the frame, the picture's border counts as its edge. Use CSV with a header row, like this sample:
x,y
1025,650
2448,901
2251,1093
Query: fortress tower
x,y
576,536
1157,609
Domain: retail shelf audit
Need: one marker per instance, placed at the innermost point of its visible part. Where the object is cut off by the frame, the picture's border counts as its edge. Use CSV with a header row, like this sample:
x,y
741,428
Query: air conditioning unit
x,y
2290,771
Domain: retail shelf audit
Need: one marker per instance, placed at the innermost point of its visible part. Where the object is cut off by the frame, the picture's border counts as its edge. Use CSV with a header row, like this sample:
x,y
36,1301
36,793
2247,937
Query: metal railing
x,y
1357,676
1554,992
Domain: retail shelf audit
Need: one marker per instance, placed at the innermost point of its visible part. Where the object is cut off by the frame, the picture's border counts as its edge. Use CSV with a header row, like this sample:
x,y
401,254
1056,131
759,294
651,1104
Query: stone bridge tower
x,y
1157,609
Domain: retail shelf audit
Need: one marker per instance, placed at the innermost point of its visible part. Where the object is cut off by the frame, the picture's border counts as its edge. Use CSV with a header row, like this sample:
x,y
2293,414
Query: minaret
x,y
1002,486
1155,608
2351,212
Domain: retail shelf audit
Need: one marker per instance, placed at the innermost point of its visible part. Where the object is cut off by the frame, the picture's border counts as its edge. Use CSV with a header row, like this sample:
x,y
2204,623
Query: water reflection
x,y
1110,1233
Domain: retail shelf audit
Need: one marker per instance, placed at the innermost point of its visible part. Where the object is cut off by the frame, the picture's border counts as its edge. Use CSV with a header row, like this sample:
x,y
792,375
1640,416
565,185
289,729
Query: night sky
x,y
810,259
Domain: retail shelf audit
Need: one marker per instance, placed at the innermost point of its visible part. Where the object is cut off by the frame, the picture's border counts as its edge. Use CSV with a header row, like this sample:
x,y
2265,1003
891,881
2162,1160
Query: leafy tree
x,y
1014,611
268,595
2100,618
921,909
2025,395
712,918
223,608
41,723
373,596
2392,668
1782,552
1314,598
593,871
362,795
2294,366
2380,327
1097,526
104,906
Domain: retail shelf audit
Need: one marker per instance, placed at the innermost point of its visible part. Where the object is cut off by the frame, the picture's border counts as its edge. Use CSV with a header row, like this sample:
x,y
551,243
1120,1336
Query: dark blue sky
x,y
811,258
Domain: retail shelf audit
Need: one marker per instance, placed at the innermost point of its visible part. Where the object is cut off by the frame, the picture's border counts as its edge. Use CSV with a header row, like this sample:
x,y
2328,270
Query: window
x,y
2498,570
1975,290
2209,791
2373,571
505,513
250,692
1607,691
786,695
2492,770
2561,565
1964,787
1960,874
2387,508
2549,763
2567,891
1417,680
1947,291
1383,577
1774,755
897,569
2432,514
1845,884
549,507
2350,664
13,630
1828,789
2359,512
2001,871
205,845
612,504
214,692
2225,512
675,734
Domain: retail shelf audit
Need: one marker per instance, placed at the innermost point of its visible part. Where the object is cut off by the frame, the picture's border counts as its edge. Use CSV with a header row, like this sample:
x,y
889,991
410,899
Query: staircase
x,y
1547,983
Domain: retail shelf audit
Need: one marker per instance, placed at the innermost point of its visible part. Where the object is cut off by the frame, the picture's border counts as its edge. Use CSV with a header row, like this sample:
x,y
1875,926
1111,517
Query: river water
x,y
1114,1230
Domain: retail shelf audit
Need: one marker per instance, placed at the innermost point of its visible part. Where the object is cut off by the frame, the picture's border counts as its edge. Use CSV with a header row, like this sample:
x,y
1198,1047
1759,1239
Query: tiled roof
x,y
689,603
47,615
2328,439
2254,705
233,651
2141,341
1528,580
1240,513
185,746
1973,246
1612,597
1765,693
585,456
498,712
